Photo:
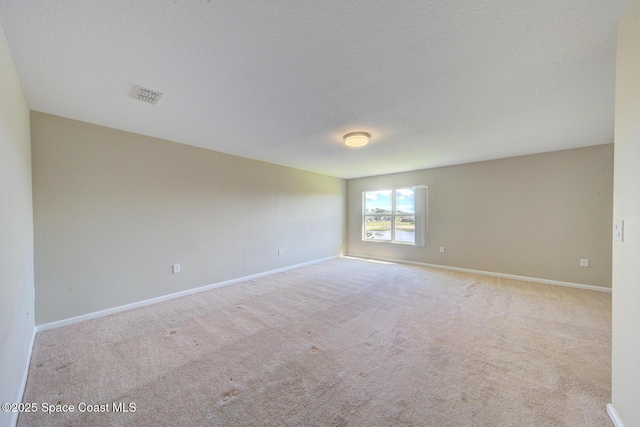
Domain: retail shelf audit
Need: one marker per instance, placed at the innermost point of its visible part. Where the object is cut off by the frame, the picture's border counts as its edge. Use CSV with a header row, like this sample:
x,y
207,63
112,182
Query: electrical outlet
x,y
280,251
584,262
441,249
176,268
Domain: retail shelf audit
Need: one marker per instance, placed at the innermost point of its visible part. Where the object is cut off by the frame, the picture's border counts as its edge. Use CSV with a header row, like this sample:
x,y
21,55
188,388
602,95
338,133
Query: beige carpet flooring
x,y
341,343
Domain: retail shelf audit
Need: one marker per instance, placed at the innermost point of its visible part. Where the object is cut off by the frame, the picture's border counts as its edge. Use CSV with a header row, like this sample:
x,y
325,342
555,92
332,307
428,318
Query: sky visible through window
x,y
382,200
384,223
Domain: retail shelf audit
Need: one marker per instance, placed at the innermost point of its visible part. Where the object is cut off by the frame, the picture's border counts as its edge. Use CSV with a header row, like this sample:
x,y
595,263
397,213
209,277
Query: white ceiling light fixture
x,y
356,139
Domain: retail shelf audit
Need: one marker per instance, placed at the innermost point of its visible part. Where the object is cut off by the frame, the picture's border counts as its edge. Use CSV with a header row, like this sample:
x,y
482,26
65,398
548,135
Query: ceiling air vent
x,y
146,95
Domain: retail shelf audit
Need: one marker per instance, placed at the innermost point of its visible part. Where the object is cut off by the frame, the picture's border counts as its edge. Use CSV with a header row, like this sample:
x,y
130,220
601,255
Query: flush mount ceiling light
x,y
356,139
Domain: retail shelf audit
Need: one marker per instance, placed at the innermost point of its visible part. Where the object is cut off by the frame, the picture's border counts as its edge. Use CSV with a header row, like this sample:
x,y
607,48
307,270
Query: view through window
x,y
390,215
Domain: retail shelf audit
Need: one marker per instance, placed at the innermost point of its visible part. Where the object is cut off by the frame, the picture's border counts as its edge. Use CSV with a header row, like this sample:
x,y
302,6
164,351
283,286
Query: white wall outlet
x,y
618,230
584,262
441,249
280,251
176,268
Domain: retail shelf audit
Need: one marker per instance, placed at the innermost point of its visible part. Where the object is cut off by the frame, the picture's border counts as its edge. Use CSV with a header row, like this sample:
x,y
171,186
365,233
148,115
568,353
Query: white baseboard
x,y
97,314
25,374
487,273
615,418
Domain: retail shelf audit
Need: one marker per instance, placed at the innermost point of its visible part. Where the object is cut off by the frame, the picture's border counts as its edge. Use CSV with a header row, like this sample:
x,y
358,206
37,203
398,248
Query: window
x,y
396,215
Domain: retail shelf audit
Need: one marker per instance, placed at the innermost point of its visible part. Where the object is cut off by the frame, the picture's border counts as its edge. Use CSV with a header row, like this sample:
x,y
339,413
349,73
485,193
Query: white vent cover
x,y
146,95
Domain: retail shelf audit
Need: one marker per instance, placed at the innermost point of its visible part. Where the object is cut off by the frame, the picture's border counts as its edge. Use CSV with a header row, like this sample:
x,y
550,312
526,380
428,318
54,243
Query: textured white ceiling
x,y
435,82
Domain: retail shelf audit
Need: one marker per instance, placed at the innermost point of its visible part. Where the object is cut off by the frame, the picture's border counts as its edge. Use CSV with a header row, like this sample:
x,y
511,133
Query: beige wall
x,y
625,391
533,216
16,232
114,210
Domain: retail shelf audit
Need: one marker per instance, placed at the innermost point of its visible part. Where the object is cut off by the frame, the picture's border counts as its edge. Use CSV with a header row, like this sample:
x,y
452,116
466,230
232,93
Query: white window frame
x,y
419,215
